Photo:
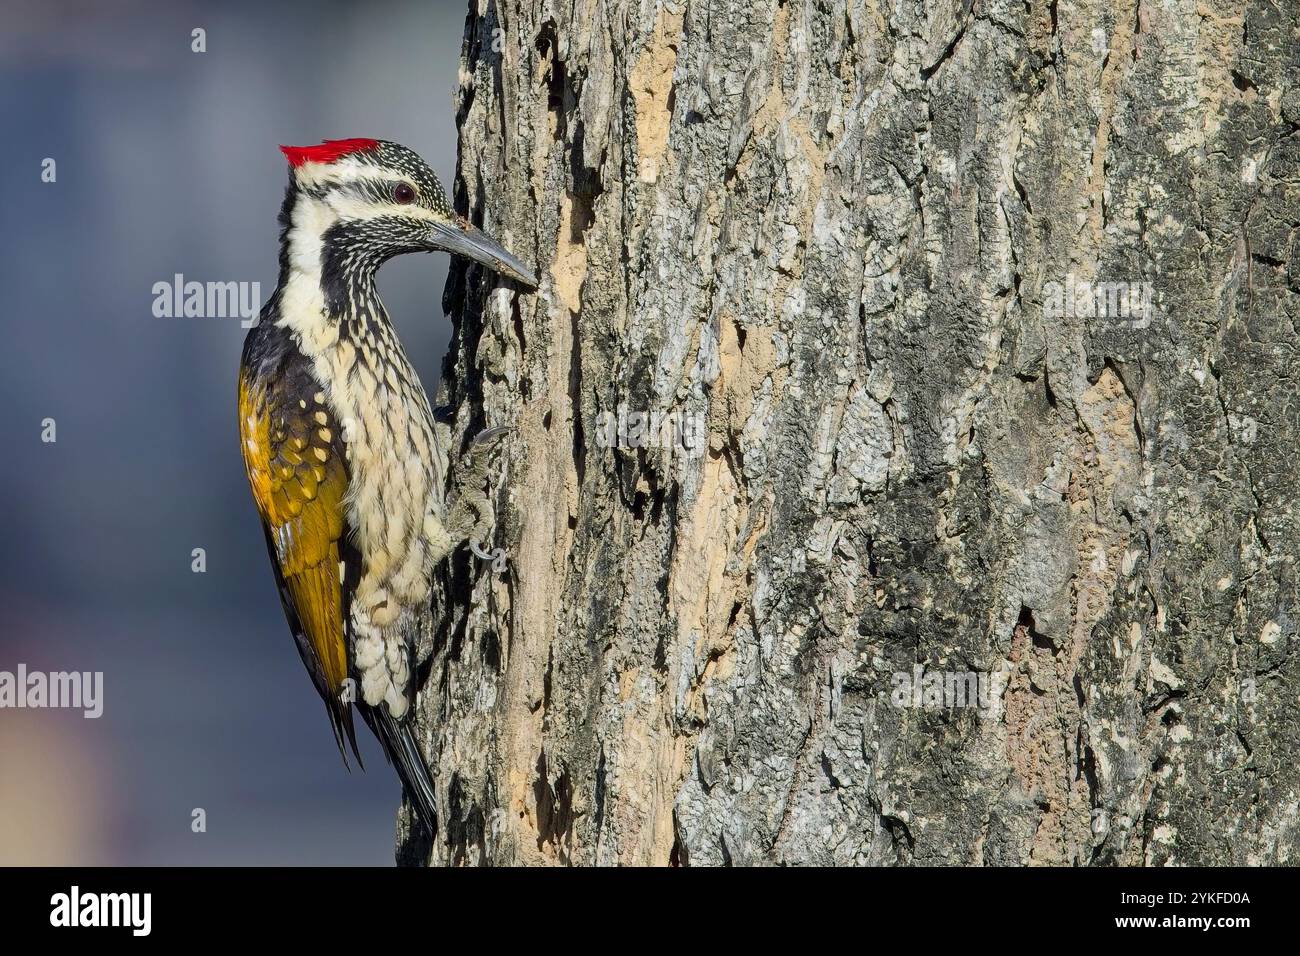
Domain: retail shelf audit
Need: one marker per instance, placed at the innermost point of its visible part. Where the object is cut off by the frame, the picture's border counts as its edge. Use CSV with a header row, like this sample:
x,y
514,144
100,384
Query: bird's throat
x,y
327,290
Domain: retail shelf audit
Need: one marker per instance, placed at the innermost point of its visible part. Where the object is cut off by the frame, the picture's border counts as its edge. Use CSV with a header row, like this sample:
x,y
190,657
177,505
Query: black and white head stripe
x,y
374,175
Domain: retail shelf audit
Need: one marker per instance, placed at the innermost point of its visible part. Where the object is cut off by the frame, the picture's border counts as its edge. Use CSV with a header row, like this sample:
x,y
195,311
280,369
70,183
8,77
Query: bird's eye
x,y
403,194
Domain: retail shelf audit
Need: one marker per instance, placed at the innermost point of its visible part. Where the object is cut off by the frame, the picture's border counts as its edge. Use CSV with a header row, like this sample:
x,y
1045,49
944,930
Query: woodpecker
x,y
338,438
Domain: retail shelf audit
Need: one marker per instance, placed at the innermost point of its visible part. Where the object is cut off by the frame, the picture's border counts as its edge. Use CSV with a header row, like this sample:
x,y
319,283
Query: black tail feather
x,y
344,732
404,754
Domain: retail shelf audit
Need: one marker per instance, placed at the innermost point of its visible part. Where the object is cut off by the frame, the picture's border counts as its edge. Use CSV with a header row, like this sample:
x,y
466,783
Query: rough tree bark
x,y
831,229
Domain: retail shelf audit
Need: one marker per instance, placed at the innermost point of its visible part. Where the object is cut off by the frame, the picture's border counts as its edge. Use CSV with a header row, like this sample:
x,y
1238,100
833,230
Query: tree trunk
x,y
986,312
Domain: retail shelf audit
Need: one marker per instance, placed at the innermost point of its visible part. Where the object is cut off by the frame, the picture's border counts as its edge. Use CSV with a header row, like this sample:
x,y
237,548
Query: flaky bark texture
x,y
833,230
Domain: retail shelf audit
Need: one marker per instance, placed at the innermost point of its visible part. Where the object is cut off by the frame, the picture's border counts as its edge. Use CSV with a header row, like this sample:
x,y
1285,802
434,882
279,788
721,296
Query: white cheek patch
x,y
347,205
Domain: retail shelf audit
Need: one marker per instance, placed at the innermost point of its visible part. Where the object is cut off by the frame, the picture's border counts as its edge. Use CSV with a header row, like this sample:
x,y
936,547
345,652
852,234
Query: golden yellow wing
x,y
293,454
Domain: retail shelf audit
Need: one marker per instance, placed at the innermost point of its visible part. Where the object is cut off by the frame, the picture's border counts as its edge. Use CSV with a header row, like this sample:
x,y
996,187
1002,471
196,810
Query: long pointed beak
x,y
465,240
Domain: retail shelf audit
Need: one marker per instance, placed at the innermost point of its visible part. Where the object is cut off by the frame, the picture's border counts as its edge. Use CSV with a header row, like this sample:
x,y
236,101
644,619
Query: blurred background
x,y
167,163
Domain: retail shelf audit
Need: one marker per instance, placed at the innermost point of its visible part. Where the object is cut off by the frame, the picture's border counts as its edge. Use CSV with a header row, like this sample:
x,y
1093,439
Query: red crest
x,y
331,150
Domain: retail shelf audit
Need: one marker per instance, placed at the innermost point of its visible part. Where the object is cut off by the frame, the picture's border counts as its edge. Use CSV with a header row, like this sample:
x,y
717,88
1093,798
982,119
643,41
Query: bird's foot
x,y
472,512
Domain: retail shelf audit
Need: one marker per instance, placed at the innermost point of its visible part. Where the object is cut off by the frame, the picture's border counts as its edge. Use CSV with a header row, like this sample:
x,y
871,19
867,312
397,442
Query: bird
x,y
338,436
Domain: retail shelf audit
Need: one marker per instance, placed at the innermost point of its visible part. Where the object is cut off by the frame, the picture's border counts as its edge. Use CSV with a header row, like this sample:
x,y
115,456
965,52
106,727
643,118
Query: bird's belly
x,y
389,513
393,499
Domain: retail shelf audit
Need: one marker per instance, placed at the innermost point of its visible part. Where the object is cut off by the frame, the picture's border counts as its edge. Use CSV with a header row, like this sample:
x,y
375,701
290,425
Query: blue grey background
x,y
167,163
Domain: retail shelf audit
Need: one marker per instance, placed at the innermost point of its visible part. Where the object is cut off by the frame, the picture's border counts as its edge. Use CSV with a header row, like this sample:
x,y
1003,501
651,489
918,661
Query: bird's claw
x,y
497,557
489,435
480,447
